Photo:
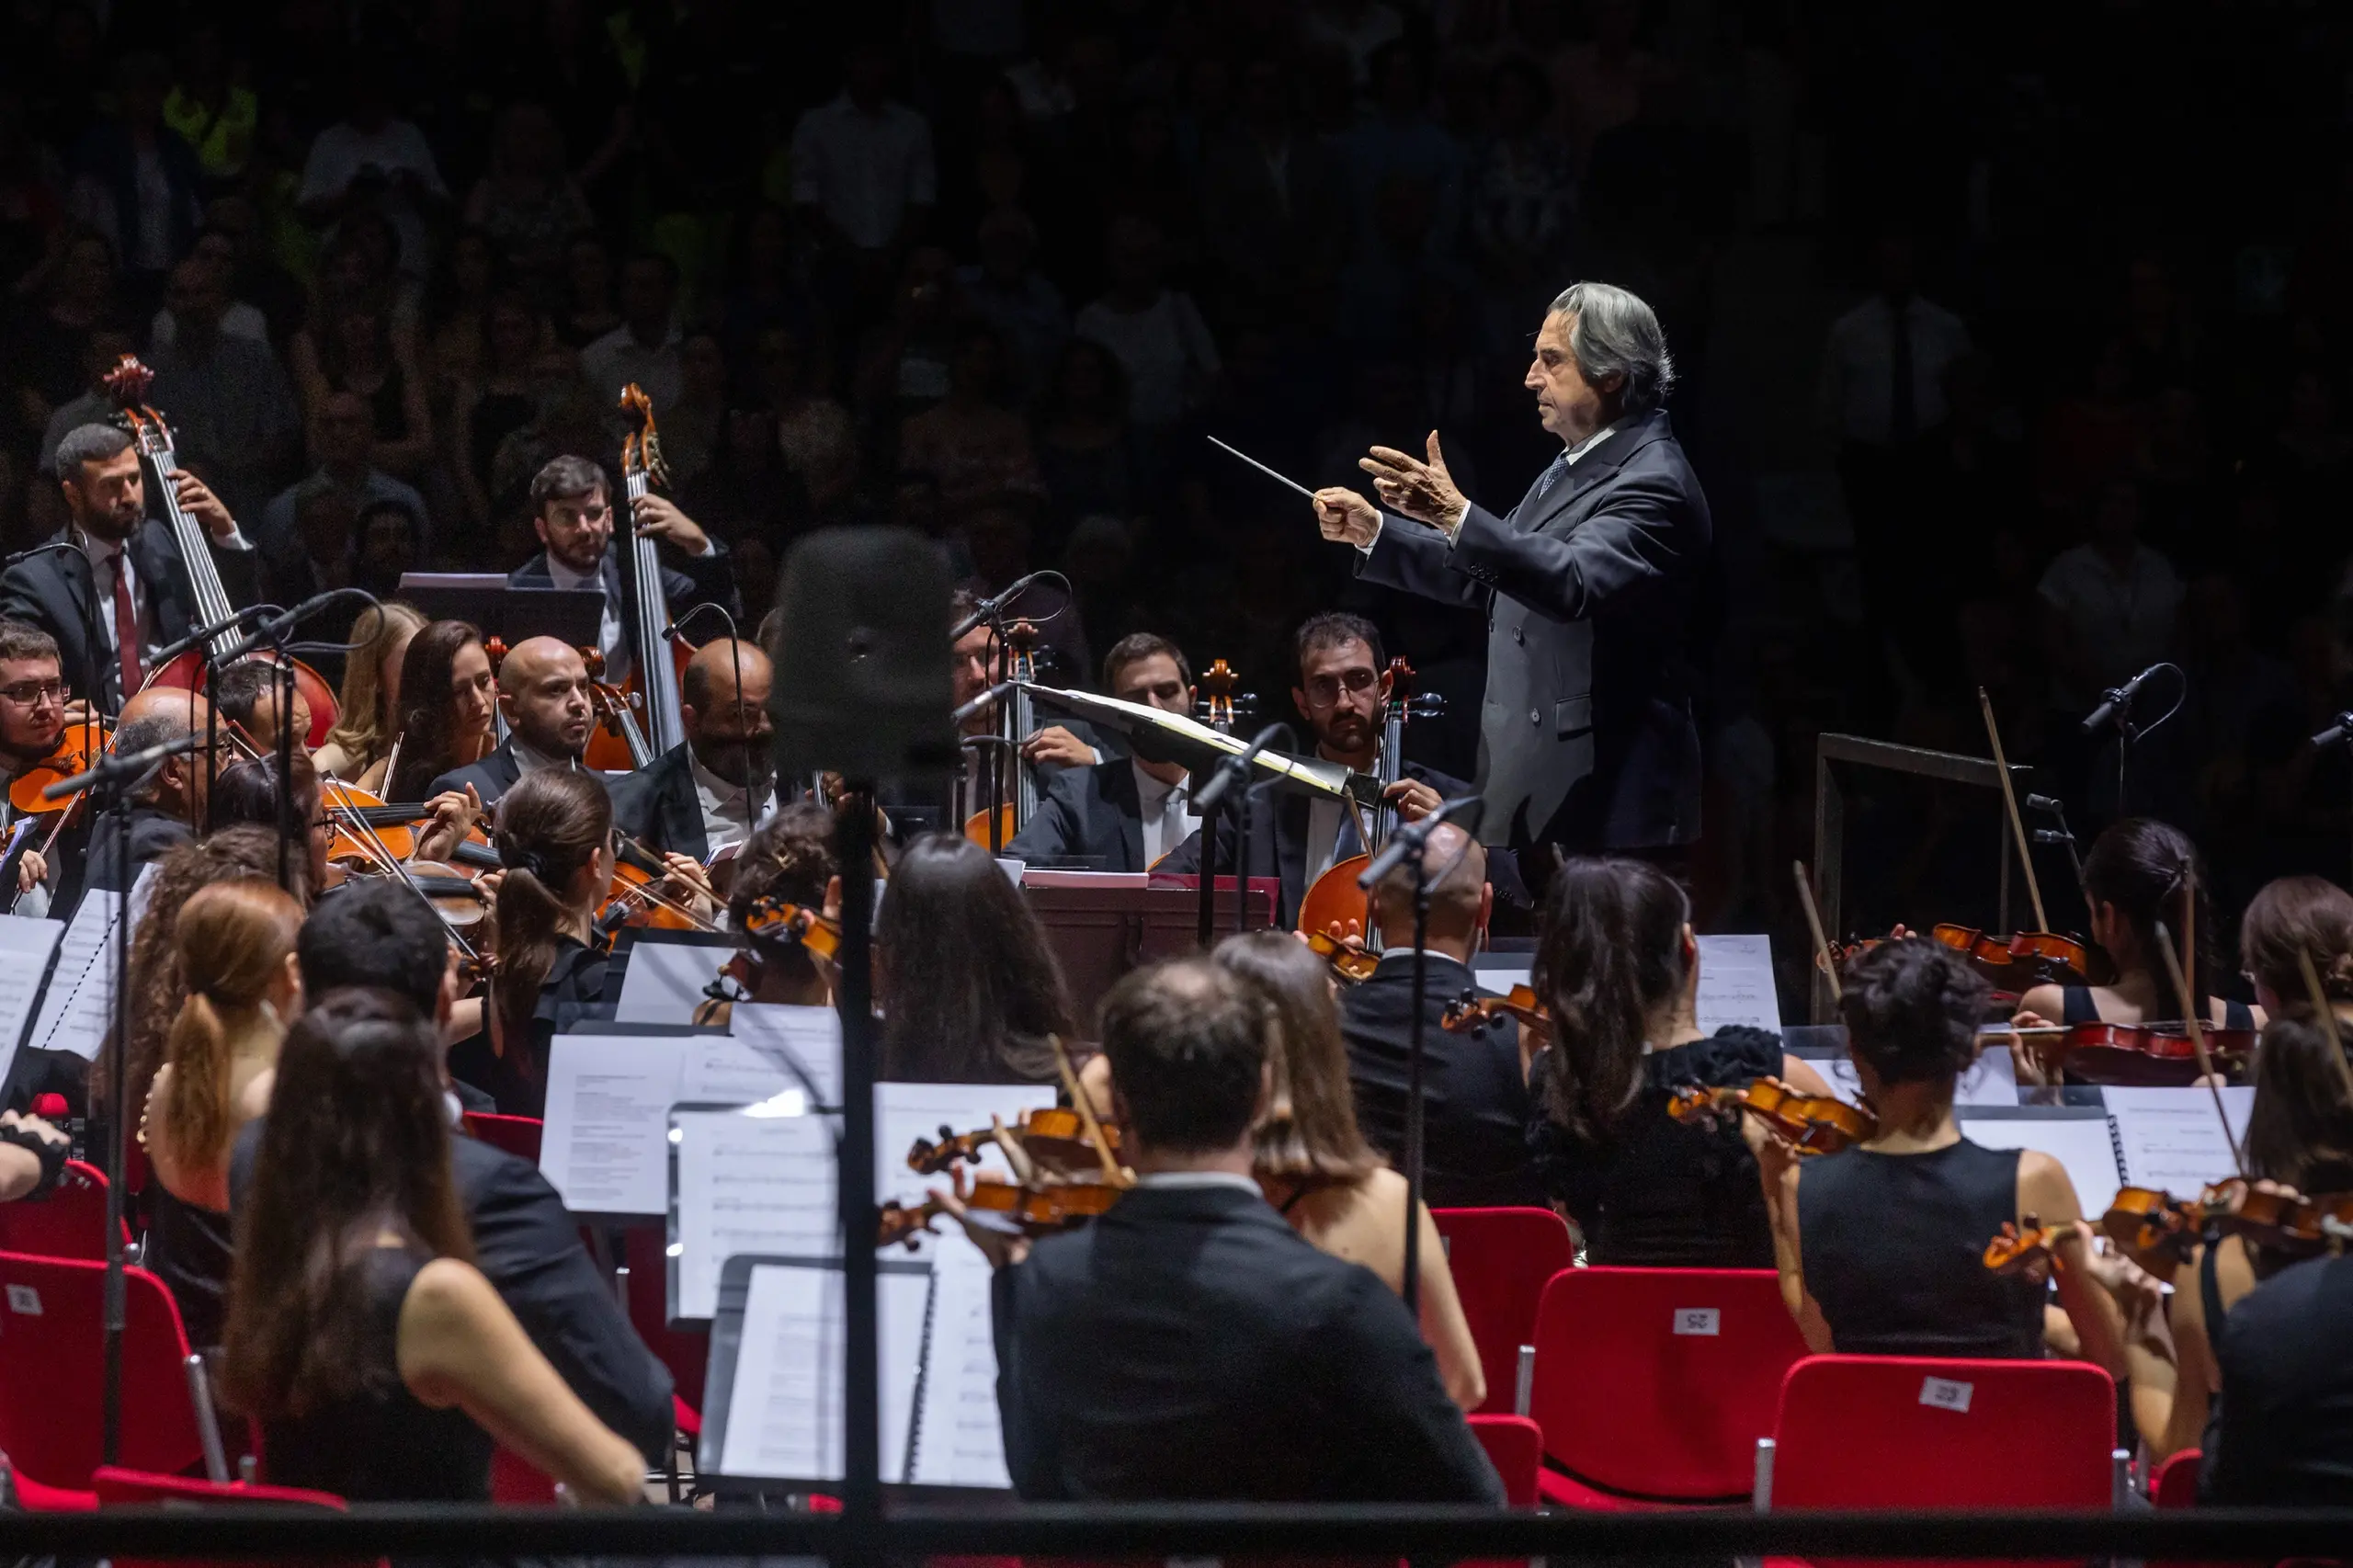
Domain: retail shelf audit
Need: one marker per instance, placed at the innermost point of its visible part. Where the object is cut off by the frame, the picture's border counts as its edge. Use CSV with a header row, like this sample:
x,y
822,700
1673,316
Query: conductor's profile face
x,y
1567,406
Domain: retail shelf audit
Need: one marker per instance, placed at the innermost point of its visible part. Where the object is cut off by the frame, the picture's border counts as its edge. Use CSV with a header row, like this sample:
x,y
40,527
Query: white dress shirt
x,y
1168,818
1181,1181
727,811
609,620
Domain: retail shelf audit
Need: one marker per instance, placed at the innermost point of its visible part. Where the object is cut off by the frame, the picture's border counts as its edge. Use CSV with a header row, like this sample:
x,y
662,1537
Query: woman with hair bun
x,y
555,837
1881,1246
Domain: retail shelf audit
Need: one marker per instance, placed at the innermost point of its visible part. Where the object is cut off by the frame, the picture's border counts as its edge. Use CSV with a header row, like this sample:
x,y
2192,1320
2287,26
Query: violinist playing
x,y
447,694
1881,1246
32,726
1619,970
789,859
555,837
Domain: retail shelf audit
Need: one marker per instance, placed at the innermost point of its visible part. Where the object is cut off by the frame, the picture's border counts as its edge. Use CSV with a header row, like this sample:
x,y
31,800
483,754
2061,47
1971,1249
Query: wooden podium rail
x,y
1099,934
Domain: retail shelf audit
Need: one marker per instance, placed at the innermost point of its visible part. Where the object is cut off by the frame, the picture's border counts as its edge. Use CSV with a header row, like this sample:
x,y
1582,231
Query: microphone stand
x,y
854,1000
1210,799
2339,733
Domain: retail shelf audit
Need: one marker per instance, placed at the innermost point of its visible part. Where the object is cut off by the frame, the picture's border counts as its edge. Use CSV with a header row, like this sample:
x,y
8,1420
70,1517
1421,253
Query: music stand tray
x,y
575,616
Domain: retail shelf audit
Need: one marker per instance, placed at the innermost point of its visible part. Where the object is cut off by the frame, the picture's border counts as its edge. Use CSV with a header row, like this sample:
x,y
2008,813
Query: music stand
x,y
574,615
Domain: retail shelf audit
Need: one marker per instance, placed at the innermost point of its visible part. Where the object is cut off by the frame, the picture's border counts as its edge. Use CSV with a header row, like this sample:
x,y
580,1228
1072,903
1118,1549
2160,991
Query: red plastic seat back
x,y
518,1135
2176,1485
70,1222
686,1353
1914,1432
1657,1382
1516,1447
121,1487
51,1371
1501,1259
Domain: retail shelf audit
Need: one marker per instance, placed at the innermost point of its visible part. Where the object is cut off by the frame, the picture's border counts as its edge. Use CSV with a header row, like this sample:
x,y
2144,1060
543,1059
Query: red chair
x,y
1653,1385
119,1487
70,1222
51,1361
2176,1485
518,1135
1500,1260
515,1481
1514,1447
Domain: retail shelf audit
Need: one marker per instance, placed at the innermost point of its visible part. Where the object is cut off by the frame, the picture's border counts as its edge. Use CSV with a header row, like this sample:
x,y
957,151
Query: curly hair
x,y
1912,1010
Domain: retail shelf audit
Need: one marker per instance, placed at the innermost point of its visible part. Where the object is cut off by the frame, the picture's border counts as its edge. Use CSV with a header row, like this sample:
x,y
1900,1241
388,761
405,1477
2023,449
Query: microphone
x,y
203,634
986,609
66,544
983,701
1215,790
2049,803
2337,731
273,629
2052,835
671,631
112,768
1410,839
2117,700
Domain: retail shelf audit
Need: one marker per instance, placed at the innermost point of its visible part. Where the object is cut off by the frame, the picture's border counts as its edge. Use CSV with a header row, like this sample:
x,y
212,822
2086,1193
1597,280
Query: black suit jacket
x,y
153,835
52,591
1586,735
491,777
1094,814
707,578
530,1250
1279,821
657,806
1189,1344
1474,1100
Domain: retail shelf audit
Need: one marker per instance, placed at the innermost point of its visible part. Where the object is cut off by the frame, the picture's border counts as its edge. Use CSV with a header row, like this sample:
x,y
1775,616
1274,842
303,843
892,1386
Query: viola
x,y
1471,1011
1814,1124
2145,1220
1055,1138
1349,964
1036,1210
636,896
2145,1055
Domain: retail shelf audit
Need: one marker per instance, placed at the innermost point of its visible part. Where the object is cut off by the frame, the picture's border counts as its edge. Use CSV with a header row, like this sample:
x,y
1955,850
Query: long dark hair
x,y
790,857
2145,867
550,825
970,990
427,724
357,1143
2299,917
2299,1132
1310,1135
1611,950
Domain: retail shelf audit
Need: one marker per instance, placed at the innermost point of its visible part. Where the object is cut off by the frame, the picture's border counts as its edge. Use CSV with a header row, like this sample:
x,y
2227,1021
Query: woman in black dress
x,y
1881,1246
449,693
377,1362
1618,969
555,837
968,986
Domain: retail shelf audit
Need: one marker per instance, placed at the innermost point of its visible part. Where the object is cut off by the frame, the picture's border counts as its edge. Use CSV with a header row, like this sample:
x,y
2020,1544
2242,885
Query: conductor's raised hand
x,y
1421,490
1347,517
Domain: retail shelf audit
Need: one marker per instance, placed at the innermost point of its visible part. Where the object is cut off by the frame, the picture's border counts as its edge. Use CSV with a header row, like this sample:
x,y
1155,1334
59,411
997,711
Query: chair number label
x,y
24,1300
1945,1394
1707,1320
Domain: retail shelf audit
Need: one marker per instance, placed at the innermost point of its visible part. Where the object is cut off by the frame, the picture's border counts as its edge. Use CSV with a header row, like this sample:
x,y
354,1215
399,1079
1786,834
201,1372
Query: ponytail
x,y
196,1096
550,824
1612,952
232,941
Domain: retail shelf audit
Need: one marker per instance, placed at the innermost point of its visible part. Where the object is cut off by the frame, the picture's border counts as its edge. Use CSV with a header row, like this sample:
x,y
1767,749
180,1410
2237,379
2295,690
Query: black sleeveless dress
x,y
2078,1006
2281,1433
572,993
380,1445
1660,1193
1893,1249
187,1249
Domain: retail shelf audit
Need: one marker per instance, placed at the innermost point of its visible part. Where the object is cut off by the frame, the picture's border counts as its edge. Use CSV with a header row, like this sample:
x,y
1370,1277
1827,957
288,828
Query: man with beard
x,y
1124,814
1343,687
32,720
543,692
712,791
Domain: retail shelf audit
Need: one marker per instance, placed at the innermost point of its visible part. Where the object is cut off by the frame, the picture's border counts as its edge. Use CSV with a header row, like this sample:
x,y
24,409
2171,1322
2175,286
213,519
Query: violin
x,y
2145,1220
1054,1138
2157,1055
2021,961
367,827
1814,1124
2017,1248
78,749
778,920
1471,1011
636,897
1031,1210
1349,964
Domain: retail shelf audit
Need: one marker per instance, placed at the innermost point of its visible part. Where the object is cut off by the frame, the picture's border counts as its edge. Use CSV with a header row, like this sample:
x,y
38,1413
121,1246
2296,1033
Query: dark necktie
x,y
1903,422
126,631
1552,475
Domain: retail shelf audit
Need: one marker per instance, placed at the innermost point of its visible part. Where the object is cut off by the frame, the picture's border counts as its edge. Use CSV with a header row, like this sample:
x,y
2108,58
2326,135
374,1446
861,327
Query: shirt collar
x,y
1151,790
1574,453
1190,1181
564,576
713,784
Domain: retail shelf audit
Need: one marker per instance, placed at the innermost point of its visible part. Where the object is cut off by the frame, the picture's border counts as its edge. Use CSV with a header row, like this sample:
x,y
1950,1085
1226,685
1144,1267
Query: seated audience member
x,y
1474,1108
968,988
447,696
1881,1246
1188,1344
374,935
1124,814
235,942
556,835
1618,968
1315,1168
788,859
375,1360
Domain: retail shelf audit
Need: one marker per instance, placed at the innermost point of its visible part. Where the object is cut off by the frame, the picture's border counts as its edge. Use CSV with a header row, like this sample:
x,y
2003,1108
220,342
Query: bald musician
x,y
543,695
166,810
709,792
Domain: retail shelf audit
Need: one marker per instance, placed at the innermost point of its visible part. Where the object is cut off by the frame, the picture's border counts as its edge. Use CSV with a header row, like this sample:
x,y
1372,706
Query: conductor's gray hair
x,y
1617,334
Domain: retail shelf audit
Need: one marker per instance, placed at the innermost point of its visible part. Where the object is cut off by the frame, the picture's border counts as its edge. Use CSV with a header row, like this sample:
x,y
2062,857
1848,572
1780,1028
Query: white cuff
x,y
1380,521
236,540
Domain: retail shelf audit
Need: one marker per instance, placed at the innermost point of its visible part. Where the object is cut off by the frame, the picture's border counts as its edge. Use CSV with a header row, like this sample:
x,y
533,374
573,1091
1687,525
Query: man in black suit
x,y
1342,690
573,513
1123,814
543,693
1475,1085
1190,1344
140,578
708,793
524,1241
162,813
1586,738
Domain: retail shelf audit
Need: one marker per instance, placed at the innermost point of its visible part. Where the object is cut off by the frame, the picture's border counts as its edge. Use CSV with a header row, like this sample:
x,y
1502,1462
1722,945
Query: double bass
x,y
995,824
127,386
1335,898
651,721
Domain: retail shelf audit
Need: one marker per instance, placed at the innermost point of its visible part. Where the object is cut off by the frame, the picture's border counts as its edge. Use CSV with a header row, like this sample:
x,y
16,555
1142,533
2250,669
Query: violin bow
x,y
2191,1022
2011,800
2326,1016
1814,924
373,846
1112,1175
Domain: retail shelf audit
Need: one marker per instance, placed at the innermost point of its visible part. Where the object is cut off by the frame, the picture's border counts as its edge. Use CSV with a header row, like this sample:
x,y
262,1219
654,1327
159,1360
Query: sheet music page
x,y
784,1413
811,1035
905,1114
727,1072
1992,1080
78,1008
961,1439
664,982
2081,1143
604,1146
2172,1139
757,1185
25,946
1736,982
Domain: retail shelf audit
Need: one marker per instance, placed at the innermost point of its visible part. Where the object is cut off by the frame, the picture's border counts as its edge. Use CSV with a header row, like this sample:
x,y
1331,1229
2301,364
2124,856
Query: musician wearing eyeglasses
x,y
124,571
32,722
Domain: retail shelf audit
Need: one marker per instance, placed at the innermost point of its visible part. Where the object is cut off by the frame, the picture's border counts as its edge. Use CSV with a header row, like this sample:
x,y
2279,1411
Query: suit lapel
x,y
1589,471
683,806
1125,801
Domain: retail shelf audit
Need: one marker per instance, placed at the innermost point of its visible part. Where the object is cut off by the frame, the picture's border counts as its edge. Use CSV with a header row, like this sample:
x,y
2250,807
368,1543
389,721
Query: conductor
x,y
1585,737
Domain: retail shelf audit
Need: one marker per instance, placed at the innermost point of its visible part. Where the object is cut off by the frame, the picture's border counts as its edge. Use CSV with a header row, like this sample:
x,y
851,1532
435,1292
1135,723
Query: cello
x,y
127,386
995,824
1335,898
650,723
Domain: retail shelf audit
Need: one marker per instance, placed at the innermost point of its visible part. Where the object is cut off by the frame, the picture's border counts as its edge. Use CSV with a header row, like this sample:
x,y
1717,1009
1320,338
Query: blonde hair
x,y
232,941
361,725
1310,1137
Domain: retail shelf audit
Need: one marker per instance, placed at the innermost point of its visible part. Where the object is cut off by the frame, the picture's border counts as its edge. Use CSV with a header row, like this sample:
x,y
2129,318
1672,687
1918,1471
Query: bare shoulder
x,y
448,1292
